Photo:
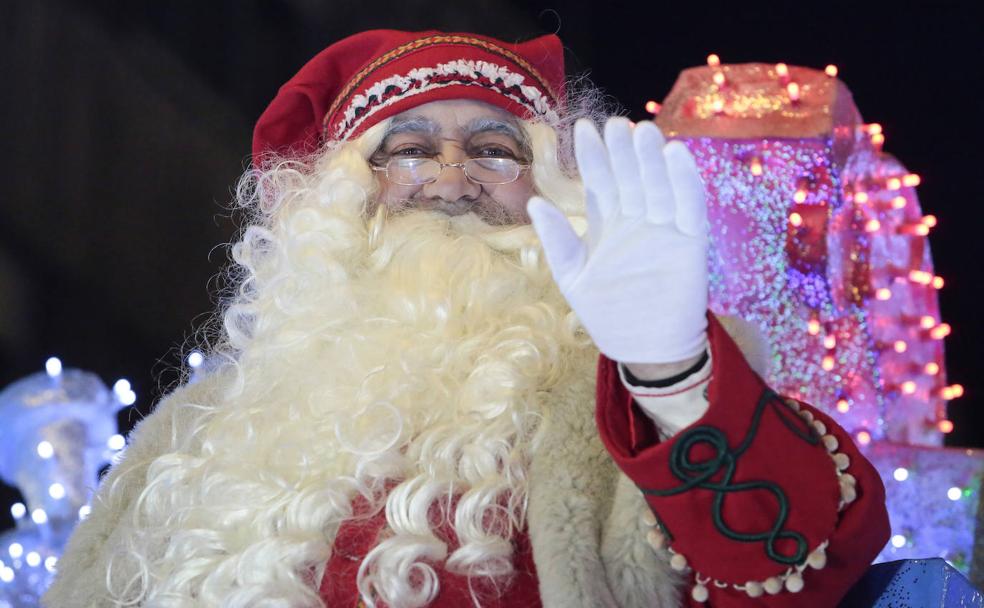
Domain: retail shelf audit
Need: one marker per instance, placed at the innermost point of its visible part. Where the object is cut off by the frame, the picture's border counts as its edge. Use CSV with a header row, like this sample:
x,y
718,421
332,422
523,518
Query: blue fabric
x,y
913,583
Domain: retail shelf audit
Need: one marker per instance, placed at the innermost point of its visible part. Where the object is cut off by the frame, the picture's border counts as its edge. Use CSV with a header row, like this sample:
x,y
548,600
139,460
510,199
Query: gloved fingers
x,y
649,146
625,166
688,190
566,252
593,165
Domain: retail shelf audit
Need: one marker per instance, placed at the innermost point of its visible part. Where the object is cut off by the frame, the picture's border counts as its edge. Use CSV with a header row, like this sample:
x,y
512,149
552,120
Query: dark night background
x,y
123,126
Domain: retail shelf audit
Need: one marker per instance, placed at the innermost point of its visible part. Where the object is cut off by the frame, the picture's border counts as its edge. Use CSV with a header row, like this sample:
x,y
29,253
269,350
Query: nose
x,y
451,184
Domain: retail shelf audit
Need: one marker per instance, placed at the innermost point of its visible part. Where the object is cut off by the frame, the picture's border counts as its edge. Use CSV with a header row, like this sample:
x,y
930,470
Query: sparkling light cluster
x,y
818,238
59,430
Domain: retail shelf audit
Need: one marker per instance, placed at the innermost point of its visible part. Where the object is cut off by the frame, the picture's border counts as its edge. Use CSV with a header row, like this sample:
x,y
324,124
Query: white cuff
x,y
674,407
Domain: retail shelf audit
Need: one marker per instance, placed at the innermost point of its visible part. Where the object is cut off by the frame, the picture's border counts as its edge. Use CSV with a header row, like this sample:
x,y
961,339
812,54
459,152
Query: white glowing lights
x,y
831,70
713,60
15,550
39,517
45,449
6,575
50,563
651,106
898,541
124,392
56,491
84,511
18,510
954,493
116,442
33,559
53,366
900,474
196,358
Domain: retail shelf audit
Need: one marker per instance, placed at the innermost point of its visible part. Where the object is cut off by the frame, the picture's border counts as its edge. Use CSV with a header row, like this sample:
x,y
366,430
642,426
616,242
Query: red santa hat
x,y
366,78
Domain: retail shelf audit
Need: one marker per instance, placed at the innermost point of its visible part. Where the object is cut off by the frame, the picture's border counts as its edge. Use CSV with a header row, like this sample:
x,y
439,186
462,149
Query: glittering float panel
x,y
817,237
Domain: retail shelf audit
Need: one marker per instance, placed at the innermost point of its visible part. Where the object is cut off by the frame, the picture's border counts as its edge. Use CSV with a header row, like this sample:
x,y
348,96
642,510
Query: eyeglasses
x,y
417,171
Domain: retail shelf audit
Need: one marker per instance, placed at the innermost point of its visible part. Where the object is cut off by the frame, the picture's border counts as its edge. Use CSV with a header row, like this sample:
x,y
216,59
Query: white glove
x,y
638,281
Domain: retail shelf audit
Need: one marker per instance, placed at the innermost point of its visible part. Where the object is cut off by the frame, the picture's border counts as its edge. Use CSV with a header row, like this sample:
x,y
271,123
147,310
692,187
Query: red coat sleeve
x,y
765,501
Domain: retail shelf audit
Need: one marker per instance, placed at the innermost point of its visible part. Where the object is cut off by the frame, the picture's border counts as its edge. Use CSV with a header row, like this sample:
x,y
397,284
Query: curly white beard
x,y
414,353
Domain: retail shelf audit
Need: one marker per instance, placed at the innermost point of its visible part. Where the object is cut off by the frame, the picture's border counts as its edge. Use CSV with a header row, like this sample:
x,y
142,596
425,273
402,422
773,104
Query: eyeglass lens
x,y
418,171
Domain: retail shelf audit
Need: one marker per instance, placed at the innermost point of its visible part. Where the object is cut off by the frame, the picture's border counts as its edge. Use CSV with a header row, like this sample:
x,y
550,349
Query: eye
x,y
496,151
410,150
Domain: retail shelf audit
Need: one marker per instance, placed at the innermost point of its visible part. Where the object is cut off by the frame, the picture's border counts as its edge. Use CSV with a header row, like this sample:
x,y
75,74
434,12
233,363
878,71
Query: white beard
x,y
418,354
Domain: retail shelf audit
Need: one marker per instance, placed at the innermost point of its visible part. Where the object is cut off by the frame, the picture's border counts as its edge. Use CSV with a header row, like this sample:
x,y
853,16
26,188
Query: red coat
x,y
746,493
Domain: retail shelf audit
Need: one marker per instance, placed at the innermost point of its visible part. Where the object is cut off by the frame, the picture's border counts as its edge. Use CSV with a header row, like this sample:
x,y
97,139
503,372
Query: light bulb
x,y
908,387
84,511
954,493
755,167
6,575
18,510
864,437
929,221
927,321
831,70
883,293
33,559
898,202
938,282
877,139
795,219
45,449
793,90
717,106
932,368
50,563
16,550
920,276
893,183
116,442
874,129
945,427
713,60
121,386
898,541
53,366
872,225
829,342
651,106
843,406
911,180
799,196
813,327
861,197
828,363
958,390
718,78
940,331
39,517
900,346
900,474
56,491
782,70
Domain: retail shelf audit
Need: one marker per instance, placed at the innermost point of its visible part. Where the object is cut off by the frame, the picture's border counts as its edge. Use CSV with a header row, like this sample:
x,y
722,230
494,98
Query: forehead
x,y
456,118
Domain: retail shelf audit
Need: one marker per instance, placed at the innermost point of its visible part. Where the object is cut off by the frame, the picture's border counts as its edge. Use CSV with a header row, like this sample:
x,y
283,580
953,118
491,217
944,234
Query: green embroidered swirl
x,y
699,475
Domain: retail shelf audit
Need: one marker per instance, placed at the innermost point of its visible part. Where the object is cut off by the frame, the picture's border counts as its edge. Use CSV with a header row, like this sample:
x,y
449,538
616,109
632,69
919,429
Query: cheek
x,y
515,195
390,193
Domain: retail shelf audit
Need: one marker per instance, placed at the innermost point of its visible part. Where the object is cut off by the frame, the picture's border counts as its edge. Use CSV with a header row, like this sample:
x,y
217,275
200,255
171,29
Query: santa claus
x,y
407,405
